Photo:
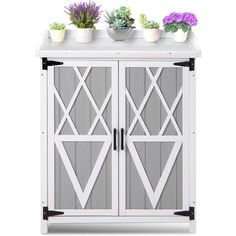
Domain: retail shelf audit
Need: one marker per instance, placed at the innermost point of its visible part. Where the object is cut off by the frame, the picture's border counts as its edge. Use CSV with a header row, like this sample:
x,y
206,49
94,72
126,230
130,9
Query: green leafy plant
x,y
147,24
175,26
57,26
120,18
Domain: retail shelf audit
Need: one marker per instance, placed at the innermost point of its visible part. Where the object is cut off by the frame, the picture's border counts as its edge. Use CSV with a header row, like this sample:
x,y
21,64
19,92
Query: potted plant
x,y
120,23
179,24
57,32
151,31
84,15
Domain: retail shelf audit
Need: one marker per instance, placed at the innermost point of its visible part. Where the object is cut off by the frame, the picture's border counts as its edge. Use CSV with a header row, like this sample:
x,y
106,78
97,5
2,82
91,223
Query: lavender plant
x,y
84,14
147,24
120,18
176,21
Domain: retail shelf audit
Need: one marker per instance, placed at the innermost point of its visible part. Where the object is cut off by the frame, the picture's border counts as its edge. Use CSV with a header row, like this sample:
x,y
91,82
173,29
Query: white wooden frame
x,y
192,146
179,139
44,145
164,216
57,138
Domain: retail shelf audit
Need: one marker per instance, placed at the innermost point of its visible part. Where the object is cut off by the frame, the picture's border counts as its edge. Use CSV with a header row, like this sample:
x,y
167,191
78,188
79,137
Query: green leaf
x,y
179,25
173,28
167,28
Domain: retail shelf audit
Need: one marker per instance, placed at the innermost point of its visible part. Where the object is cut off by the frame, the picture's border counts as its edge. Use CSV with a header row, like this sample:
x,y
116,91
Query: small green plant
x,y
147,24
57,26
120,18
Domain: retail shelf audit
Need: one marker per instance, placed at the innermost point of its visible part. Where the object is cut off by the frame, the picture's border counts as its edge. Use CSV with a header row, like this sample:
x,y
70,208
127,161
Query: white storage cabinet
x,y
118,131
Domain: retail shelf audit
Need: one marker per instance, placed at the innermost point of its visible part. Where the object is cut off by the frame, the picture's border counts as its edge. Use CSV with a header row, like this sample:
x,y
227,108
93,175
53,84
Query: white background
x,y
22,23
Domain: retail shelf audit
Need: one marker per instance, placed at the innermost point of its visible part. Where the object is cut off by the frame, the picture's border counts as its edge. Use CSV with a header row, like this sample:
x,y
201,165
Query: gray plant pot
x,y
119,34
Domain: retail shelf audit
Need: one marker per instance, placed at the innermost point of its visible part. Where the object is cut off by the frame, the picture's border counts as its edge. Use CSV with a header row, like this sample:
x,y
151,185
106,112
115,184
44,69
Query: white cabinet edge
x,y
116,53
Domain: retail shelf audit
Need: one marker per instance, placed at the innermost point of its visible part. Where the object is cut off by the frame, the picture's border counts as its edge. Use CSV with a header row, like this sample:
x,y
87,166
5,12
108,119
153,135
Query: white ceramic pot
x,y
180,36
151,35
84,35
57,36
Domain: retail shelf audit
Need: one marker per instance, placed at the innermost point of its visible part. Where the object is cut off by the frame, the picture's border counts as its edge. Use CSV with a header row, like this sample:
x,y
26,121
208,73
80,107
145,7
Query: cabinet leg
x,y
44,227
192,226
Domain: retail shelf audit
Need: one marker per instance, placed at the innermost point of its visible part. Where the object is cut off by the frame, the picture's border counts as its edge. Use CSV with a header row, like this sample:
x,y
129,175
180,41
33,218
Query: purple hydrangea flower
x,y
167,20
178,17
189,18
186,17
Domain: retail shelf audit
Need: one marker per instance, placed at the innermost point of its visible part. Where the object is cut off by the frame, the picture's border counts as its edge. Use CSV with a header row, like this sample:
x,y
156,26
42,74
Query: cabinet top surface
x,y
104,47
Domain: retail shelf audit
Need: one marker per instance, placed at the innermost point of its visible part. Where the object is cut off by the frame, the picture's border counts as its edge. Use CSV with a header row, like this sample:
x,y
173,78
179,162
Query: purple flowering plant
x,y
176,21
84,14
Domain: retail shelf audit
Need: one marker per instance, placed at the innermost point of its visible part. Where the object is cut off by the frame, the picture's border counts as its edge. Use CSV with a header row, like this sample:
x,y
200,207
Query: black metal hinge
x,y
47,213
189,213
190,64
46,63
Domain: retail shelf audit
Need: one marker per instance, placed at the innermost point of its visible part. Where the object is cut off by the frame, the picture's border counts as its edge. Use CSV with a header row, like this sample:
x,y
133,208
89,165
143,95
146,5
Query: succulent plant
x,y
119,23
57,26
147,24
120,18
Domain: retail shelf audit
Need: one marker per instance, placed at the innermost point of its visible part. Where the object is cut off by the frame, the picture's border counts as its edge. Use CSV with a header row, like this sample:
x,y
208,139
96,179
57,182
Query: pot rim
x,y
57,30
84,28
120,28
151,29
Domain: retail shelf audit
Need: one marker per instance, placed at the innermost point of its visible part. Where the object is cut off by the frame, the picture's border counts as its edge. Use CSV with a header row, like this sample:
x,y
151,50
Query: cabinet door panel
x,y
153,106
83,112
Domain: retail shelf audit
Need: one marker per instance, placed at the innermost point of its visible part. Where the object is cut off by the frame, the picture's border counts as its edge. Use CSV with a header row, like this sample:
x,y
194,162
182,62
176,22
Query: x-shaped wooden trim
x,y
98,116
67,112
136,112
176,102
92,100
170,115
169,111
63,107
83,196
145,99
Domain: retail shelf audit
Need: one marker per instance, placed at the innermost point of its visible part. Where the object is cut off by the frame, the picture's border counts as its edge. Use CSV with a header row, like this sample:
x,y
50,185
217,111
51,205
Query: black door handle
x,y
122,146
114,140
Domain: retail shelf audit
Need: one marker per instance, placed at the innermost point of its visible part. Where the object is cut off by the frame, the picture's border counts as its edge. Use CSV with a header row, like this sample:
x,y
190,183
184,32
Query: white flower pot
x,y
84,35
57,36
180,36
151,35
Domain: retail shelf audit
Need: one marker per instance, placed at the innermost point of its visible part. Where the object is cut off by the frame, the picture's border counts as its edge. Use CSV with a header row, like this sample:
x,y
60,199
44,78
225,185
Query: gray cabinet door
x,y
153,111
82,114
